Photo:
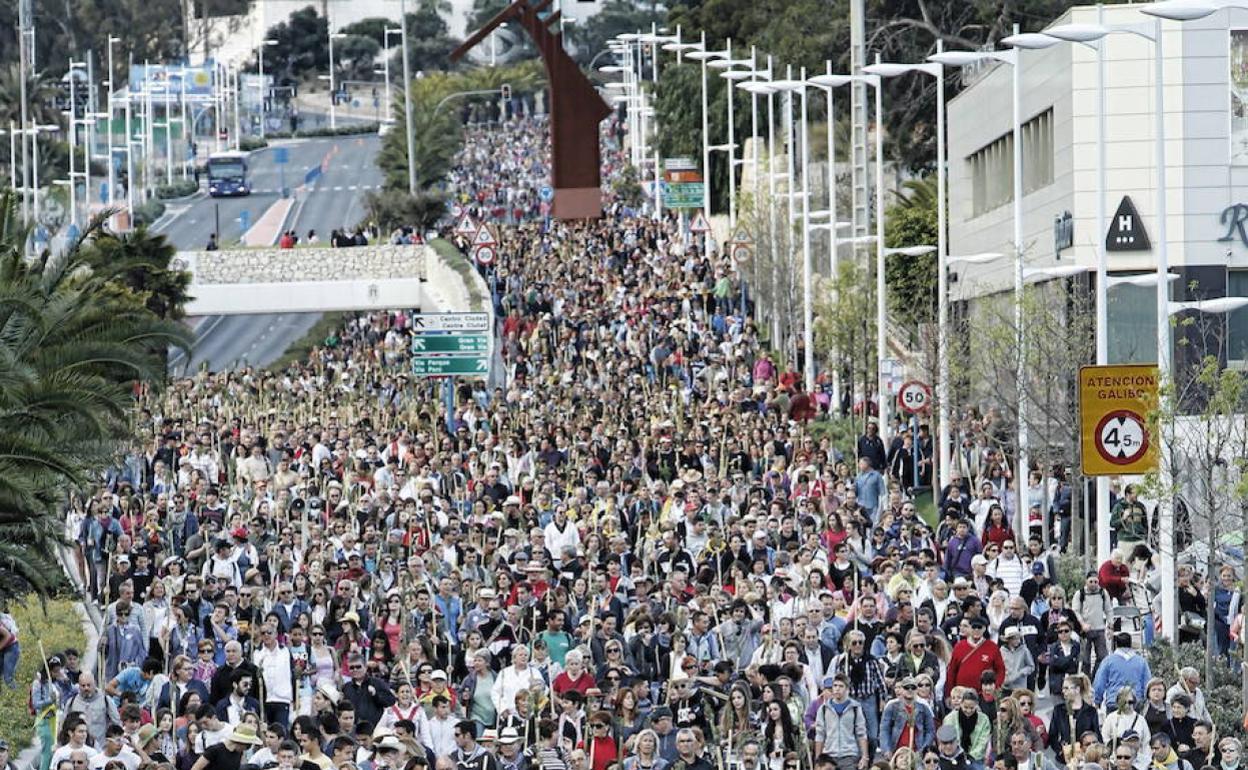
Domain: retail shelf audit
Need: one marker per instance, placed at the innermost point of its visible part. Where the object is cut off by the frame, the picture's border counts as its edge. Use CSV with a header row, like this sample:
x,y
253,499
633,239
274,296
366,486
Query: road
x,y
334,200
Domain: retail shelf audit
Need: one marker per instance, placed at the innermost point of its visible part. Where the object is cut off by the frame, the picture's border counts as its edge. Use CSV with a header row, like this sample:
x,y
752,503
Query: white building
x,y
1206,122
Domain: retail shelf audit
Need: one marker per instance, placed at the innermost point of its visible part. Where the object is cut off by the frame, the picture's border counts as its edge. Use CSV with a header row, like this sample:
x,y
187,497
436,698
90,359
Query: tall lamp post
x,y
74,68
789,87
704,55
937,71
1046,39
730,147
264,88
1011,57
333,88
1087,33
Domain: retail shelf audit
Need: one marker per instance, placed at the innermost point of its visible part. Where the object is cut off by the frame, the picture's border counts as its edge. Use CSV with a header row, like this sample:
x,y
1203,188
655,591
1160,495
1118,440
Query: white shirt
x,y
274,664
65,751
441,736
509,683
126,756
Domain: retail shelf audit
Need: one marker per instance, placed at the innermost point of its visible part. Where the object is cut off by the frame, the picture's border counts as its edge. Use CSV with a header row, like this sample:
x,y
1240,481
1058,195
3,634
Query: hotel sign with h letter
x,y
1126,229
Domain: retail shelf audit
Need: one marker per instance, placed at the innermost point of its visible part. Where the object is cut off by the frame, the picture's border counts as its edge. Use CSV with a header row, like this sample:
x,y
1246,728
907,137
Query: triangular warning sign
x,y
466,226
484,237
742,235
699,224
1126,229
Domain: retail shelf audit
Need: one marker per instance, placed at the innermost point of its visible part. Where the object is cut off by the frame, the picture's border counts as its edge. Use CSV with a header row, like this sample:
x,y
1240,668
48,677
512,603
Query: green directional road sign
x,y
682,195
441,367
450,343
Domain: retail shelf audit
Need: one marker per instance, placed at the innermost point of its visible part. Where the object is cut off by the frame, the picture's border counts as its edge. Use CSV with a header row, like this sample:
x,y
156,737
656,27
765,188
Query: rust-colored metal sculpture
x,y
576,109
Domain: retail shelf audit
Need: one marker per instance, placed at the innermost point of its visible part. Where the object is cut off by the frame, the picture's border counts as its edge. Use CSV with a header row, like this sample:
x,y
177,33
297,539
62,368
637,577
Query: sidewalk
x,y
268,227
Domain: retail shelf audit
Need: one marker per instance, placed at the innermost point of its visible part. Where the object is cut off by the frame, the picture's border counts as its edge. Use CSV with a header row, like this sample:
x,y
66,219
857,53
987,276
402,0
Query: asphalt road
x,y
334,200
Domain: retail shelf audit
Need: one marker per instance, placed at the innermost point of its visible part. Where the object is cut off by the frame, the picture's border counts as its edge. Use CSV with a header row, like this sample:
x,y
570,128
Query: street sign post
x,y
466,227
451,322
430,366
914,397
699,224
425,344
485,255
1114,402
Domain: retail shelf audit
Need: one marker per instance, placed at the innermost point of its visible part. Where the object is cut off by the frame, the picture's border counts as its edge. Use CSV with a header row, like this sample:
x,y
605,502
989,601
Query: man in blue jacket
x,y
1123,668
906,721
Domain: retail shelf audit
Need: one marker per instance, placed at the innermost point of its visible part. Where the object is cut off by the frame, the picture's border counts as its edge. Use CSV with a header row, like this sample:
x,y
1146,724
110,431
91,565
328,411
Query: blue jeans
x,y
8,663
871,713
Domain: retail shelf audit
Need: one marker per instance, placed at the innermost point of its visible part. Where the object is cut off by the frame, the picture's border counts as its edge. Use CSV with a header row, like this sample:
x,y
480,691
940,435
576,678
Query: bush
x,y
1222,693
57,626
391,209
179,189
351,130
249,143
147,213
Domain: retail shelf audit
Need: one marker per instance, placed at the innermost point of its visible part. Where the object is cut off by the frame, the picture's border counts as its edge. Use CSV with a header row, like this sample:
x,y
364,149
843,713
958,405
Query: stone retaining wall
x,y
270,266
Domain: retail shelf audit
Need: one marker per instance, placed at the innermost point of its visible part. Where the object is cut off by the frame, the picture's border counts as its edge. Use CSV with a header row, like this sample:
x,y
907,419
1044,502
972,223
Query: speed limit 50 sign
x,y
914,397
1114,402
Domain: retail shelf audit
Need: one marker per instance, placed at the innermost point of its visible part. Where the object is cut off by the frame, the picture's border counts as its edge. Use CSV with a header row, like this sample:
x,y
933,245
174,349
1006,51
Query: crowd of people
x,y
629,557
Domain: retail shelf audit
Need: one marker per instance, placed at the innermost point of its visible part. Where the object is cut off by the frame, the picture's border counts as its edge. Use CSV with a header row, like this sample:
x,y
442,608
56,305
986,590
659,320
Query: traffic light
x,y
506,90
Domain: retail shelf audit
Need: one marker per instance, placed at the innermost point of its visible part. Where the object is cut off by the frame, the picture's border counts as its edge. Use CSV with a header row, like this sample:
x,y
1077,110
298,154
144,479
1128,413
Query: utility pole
x,y
858,108
24,28
407,104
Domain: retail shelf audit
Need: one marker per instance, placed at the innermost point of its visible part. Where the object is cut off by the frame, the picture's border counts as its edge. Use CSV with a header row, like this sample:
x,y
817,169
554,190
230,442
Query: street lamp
x,y
1088,33
1011,57
386,68
937,71
1079,33
704,55
112,182
264,88
333,90
74,67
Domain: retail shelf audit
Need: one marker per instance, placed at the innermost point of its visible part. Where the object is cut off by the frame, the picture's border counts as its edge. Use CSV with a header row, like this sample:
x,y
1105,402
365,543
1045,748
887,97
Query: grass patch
x,y
464,267
301,349
57,628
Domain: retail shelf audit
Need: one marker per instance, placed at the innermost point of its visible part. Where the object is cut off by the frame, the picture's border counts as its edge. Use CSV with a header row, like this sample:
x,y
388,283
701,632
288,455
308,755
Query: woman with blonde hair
x,y
1124,718
1010,720
645,752
903,758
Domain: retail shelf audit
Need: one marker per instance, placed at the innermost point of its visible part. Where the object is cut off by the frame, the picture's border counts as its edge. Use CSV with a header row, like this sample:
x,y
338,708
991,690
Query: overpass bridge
x,y
314,280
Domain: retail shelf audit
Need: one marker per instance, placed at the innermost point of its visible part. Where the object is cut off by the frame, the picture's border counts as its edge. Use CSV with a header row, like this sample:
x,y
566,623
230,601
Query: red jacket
x,y
967,664
1114,578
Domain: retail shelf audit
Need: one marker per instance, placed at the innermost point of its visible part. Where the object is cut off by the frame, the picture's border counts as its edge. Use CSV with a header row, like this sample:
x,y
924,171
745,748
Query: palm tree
x,y
73,347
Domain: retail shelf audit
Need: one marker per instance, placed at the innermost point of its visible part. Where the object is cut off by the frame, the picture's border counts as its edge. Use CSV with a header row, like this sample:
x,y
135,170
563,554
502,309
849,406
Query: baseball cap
x,y
947,734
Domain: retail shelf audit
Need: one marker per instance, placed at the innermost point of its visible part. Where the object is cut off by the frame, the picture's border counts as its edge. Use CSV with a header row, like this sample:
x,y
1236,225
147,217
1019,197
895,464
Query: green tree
x,y
911,280
141,262
393,209
679,107
302,46
436,128
590,36
71,351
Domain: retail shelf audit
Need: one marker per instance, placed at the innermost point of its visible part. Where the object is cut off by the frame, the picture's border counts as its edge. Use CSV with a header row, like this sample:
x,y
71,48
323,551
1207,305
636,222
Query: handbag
x,y
1193,623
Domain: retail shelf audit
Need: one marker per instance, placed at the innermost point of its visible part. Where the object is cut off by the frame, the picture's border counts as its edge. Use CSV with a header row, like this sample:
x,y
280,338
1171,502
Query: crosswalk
x,y
325,188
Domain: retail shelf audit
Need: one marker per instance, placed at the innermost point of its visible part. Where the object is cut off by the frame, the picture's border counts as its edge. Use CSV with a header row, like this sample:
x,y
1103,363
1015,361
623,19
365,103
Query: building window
x,y
992,166
1237,322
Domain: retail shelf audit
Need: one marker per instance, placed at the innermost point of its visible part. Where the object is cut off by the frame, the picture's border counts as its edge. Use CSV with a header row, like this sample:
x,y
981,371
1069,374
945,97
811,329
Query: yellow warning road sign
x,y
1114,402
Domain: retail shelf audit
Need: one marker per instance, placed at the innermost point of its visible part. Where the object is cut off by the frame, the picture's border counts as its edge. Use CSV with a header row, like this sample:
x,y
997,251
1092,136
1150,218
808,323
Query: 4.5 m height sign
x,y
1114,402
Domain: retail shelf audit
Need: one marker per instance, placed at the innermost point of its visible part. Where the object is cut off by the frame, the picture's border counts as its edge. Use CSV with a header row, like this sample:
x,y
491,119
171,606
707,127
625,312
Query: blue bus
x,y
227,174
